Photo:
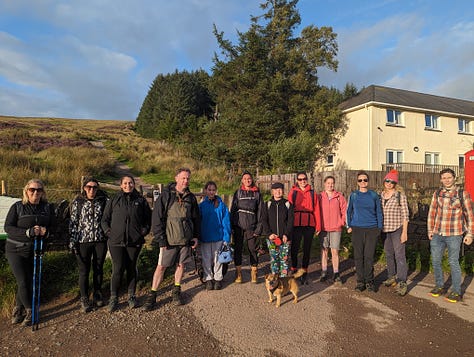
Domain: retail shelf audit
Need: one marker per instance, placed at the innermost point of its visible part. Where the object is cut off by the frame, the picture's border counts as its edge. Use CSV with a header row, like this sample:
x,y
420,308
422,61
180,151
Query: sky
x,y
96,59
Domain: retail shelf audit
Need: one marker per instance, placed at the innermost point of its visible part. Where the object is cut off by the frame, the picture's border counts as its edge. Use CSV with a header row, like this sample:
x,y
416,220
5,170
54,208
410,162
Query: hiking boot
x,y
176,296
304,278
218,285
453,297
85,305
209,285
238,274
337,279
132,302
391,281
113,304
150,301
402,288
28,318
323,277
437,292
253,274
370,287
98,300
360,287
18,314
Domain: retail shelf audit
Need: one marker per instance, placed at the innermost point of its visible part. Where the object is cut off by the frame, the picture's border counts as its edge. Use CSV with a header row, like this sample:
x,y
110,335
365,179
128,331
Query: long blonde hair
x,y
27,186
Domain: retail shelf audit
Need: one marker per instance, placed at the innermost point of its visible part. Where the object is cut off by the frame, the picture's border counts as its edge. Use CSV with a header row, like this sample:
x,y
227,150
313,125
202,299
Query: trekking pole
x,y
37,271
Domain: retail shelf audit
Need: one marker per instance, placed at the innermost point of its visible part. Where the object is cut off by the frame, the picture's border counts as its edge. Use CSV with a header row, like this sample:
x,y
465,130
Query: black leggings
x,y
307,233
239,236
93,252
124,258
22,268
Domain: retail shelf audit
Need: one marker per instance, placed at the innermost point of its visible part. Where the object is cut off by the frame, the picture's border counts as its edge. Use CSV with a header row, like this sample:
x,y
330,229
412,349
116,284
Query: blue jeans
x,y
438,245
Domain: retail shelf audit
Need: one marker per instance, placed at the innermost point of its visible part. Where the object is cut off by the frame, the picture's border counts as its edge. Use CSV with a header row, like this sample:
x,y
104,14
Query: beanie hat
x,y
277,185
392,175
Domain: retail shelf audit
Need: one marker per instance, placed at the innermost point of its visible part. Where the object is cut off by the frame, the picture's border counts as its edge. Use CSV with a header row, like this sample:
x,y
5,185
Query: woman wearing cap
x,y
278,223
395,227
364,221
29,219
88,241
246,216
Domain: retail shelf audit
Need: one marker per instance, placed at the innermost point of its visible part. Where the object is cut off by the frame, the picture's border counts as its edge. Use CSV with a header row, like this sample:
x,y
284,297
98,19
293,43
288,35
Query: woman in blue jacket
x,y
364,221
215,229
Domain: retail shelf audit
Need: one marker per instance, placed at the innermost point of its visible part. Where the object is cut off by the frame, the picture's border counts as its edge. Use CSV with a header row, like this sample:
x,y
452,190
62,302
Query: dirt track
x,y
238,321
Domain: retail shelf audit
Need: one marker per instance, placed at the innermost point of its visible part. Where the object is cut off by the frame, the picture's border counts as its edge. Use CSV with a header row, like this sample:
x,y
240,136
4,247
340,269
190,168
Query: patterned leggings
x,y
278,258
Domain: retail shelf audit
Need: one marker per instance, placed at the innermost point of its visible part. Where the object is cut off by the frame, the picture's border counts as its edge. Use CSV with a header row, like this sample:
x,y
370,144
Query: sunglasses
x,y
390,181
89,187
34,189
302,179
362,180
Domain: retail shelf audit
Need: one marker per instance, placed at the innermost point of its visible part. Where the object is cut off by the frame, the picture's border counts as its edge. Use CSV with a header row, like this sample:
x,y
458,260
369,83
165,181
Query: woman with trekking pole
x,y
27,224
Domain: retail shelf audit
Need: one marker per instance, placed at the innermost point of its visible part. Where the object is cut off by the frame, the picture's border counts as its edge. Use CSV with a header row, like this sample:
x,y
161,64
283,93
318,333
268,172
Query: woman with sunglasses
x,y
88,241
395,232
364,221
126,222
28,219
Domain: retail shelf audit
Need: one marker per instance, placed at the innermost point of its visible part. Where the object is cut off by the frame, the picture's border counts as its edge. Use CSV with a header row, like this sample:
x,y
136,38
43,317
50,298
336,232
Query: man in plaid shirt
x,y
449,217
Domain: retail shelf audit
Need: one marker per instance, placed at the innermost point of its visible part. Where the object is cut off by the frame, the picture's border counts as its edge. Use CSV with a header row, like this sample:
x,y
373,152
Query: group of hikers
x,y
179,223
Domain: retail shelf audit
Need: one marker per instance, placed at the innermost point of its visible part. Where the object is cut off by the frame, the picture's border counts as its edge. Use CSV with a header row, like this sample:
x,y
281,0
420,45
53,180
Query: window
x,y
394,157
461,161
431,121
330,160
394,117
464,126
431,158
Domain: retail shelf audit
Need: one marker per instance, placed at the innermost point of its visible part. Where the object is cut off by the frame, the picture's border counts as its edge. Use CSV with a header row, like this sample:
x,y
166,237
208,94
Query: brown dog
x,y
278,287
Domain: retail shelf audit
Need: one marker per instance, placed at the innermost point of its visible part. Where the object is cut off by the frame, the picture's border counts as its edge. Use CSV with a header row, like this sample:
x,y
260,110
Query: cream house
x,y
408,130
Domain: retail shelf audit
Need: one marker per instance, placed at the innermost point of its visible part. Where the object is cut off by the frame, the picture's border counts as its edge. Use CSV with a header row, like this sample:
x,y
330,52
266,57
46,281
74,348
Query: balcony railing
x,y
412,167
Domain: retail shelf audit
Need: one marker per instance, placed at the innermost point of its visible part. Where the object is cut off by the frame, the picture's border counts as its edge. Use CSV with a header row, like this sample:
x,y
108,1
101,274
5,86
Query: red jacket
x,y
333,211
306,213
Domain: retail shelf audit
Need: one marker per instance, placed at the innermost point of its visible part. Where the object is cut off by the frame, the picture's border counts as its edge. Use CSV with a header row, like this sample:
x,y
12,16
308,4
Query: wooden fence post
x,y
4,189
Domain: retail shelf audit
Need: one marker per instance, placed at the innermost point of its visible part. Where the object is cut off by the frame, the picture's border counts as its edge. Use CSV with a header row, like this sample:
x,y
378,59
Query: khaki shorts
x,y
170,256
330,239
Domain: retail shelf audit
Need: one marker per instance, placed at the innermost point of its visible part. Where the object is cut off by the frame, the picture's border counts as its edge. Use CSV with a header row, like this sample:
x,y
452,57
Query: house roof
x,y
404,98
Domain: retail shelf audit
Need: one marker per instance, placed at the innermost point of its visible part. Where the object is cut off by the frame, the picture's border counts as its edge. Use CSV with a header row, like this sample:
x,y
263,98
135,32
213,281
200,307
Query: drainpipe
x,y
369,133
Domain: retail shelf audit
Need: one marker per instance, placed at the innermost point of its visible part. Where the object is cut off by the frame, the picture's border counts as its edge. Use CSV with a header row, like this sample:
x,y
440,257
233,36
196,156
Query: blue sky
x,y
97,59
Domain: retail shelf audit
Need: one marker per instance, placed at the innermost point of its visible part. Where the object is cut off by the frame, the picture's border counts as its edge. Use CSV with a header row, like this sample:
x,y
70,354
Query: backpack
x,y
287,204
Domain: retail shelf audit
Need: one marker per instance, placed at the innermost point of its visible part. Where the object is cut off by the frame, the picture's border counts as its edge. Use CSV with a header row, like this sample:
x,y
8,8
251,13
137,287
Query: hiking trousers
x,y
364,241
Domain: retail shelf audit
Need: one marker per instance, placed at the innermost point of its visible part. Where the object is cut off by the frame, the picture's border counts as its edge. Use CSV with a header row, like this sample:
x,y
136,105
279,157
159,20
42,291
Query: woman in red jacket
x,y
333,217
307,221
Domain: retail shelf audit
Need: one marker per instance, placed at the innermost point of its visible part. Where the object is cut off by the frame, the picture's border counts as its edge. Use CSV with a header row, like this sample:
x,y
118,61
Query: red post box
x,y
469,172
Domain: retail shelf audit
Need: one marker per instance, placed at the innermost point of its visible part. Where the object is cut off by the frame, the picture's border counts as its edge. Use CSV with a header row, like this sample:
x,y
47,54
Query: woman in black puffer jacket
x,y
32,217
126,222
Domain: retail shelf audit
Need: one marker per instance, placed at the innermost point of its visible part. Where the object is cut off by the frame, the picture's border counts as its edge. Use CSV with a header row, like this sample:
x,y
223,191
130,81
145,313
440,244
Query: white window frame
x,y
464,126
330,160
397,156
397,119
433,123
434,158
461,162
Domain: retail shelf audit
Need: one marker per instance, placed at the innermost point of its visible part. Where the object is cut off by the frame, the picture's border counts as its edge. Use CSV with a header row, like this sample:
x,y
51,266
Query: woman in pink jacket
x,y
333,217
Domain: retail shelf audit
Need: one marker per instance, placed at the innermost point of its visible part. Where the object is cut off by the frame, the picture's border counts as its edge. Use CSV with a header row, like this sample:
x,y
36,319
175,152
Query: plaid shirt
x,y
448,216
395,212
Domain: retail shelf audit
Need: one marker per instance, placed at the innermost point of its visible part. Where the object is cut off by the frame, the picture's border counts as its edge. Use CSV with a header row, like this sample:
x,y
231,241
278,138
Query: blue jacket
x,y
364,210
215,221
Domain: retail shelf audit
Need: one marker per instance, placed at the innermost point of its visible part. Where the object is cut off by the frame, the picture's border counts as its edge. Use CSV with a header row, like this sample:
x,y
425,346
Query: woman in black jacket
x,y
27,220
88,241
126,222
